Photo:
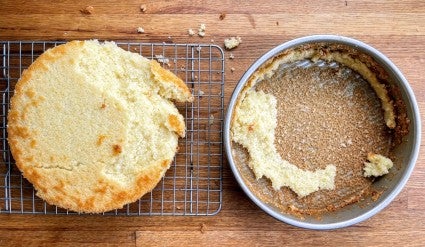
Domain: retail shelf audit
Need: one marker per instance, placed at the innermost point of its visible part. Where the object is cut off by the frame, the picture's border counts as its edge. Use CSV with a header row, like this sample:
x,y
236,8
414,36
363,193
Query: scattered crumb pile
x,y
201,30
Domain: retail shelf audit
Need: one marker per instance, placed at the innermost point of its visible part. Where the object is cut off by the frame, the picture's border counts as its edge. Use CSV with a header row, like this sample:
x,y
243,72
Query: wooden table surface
x,y
396,28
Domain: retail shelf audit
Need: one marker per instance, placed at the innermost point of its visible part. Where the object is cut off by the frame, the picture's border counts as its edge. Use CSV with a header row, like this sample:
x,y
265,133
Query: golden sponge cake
x,y
92,126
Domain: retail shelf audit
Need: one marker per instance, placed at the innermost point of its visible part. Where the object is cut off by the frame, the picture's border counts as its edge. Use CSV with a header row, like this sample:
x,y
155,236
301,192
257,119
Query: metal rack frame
x,y
193,184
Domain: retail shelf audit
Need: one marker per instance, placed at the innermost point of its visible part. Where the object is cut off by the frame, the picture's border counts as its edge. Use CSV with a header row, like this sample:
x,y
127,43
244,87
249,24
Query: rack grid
x,y
193,184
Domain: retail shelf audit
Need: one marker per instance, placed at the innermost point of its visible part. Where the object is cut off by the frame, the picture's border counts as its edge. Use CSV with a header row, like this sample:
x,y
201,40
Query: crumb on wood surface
x,y
222,16
140,30
232,42
190,32
203,228
88,10
143,8
201,30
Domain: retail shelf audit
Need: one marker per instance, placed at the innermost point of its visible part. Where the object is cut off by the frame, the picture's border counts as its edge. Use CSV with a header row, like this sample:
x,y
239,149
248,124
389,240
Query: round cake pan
x,y
406,153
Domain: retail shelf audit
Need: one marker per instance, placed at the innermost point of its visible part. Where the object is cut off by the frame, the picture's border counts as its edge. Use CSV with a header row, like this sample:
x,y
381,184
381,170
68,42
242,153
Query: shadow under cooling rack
x,y
193,184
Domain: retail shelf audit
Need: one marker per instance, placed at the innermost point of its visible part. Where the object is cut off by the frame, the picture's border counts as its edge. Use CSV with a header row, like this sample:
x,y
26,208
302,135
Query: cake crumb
x,y
140,30
143,8
162,59
198,49
203,228
376,194
231,56
232,69
211,120
222,16
201,93
378,165
190,32
88,10
201,30
232,42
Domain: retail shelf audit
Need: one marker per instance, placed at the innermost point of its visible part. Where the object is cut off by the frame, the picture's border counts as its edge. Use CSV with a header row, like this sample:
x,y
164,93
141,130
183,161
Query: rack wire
x,y
193,184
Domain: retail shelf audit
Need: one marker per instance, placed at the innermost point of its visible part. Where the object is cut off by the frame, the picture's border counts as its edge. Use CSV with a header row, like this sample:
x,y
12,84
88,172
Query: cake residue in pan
x,y
327,113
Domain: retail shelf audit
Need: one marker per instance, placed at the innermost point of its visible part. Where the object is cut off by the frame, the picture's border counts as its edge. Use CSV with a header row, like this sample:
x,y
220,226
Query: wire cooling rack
x,y
193,184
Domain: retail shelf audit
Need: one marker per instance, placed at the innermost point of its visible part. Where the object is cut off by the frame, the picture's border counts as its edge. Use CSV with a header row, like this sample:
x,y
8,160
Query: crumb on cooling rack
x,y
88,10
143,8
232,42
198,49
162,59
140,30
201,30
211,120
201,93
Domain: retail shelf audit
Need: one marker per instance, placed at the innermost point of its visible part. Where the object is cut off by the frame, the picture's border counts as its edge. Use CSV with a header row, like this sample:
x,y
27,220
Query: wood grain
x,y
396,28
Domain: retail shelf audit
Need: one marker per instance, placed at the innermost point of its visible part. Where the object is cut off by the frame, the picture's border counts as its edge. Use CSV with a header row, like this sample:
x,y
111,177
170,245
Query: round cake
x,y
93,127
